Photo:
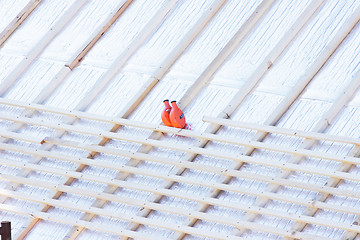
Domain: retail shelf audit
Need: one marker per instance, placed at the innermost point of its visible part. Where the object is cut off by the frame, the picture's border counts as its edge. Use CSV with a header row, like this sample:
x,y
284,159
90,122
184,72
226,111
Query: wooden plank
x,y
18,20
40,46
186,180
185,148
172,177
284,166
71,221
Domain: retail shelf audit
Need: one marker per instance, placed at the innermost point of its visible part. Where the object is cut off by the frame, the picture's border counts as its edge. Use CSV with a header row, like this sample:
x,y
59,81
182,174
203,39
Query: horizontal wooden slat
x,y
197,150
110,197
198,166
181,147
70,221
188,180
279,130
183,132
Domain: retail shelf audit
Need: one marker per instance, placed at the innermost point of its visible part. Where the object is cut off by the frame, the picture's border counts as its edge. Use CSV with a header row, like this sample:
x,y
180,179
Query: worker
x,y
177,117
165,114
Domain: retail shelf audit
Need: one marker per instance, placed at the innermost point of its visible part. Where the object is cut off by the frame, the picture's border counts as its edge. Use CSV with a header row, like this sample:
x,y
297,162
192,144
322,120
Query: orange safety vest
x,y
165,114
177,117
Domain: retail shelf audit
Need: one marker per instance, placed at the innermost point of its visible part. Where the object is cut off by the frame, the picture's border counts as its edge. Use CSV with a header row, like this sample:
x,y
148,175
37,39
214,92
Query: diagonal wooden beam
x,y
77,57
40,46
109,21
271,59
18,20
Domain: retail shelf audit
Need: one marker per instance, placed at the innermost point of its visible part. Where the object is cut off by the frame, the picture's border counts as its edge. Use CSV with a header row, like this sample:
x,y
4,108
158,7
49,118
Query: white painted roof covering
x,y
269,90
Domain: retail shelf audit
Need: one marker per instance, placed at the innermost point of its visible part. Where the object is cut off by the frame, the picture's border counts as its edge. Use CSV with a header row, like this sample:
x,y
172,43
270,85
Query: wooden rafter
x,y
41,45
42,148
18,20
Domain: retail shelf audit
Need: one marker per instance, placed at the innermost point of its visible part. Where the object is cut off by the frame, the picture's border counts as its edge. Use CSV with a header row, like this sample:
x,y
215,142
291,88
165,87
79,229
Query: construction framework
x,y
56,148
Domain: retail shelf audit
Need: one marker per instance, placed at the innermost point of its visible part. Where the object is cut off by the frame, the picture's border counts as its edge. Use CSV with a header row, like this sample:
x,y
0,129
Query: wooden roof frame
x,y
154,140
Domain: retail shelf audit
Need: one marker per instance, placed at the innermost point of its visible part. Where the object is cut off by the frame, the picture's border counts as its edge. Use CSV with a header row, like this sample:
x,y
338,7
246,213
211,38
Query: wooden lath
x,y
172,177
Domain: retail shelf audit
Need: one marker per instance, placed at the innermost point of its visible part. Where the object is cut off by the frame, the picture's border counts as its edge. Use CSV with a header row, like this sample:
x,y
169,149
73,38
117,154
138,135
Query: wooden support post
x,y
18,20
5,230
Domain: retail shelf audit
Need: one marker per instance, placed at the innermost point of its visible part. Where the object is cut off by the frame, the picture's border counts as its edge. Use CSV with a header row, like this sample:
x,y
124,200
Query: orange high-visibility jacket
x,y
165,114
177,117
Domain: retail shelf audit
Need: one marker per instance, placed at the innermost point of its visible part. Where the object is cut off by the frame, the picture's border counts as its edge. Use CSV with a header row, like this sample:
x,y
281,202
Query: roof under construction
x,y
270,91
